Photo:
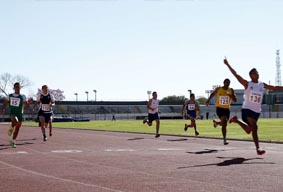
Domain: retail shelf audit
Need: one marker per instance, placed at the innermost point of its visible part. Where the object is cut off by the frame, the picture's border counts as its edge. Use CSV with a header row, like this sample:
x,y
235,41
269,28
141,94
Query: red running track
x,y
85,161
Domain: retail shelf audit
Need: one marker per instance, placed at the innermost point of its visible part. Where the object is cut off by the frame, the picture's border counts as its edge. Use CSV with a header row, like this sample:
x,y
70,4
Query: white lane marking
x,y
13,153
119,150
170,149
57,178
66,151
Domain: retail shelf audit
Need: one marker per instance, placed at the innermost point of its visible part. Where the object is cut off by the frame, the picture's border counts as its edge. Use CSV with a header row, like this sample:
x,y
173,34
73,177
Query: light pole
x,y
190,91
76,94
208,93
86,95
94,94
148,92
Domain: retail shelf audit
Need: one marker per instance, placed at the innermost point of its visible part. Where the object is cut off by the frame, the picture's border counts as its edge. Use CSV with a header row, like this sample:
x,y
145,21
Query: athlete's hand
x,y
30,100
226,61
206,103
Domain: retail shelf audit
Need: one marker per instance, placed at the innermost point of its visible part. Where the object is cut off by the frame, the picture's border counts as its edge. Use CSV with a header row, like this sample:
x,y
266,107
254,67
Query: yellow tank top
x,y
222,98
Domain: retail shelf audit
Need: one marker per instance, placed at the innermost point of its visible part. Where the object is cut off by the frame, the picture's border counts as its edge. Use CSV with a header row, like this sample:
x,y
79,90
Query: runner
x,y
192,107
251,107
224,96
46,101
153,113
17,102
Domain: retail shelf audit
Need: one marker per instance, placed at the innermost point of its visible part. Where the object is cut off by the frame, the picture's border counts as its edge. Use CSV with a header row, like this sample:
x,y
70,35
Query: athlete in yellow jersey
x,y
224,96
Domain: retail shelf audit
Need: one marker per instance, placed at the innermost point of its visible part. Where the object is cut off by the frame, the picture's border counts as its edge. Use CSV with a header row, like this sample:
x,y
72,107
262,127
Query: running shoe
x,y
157,135
144,120
225,142
260,151
233,119
50,134
44,138
196,133
13,144
186,127
214,123
10,131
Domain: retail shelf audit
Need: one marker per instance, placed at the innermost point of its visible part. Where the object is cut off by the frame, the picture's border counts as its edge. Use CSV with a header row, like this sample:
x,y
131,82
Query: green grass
x,y
269,129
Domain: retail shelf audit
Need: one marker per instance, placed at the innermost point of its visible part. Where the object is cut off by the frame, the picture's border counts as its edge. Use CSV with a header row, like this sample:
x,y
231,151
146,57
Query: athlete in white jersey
x,y
153,113
251,107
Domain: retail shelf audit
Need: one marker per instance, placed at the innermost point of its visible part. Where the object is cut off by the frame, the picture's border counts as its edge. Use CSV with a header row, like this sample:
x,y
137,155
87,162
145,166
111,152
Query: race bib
x,y
46,107
255,97
15,102
224,100
191,107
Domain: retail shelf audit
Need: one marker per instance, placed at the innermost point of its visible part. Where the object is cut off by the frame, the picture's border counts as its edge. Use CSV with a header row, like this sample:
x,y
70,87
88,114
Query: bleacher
x,y
135,110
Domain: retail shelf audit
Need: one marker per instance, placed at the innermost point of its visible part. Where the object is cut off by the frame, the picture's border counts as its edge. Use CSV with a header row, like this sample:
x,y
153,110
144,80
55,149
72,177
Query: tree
x,y
202,100
7,82
174,99
58,94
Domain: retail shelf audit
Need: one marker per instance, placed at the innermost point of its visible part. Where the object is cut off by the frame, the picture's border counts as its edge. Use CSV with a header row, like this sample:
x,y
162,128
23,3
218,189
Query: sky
x,y
124,48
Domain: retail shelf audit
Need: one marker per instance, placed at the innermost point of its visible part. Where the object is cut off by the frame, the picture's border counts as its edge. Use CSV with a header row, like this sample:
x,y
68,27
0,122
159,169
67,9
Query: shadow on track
x,y
230,161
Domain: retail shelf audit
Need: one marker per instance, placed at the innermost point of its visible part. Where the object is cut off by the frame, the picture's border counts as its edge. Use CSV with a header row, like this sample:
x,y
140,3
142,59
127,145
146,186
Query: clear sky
x,y
123,48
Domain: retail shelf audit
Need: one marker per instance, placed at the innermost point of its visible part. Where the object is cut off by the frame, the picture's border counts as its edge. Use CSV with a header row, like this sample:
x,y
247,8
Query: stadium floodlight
x,y
149,93
94,94
86,95
76,94
207,92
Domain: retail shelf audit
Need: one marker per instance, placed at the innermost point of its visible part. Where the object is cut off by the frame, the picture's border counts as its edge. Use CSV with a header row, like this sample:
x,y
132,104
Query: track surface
x,y
84,161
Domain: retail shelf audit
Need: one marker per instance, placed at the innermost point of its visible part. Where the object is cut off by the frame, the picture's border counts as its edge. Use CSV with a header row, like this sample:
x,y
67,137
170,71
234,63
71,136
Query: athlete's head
x,y
44,89
226,83
154,95
17,87
192,96
254,74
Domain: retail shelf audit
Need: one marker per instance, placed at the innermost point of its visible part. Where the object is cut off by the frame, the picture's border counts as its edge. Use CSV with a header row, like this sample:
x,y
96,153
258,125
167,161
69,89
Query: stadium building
x,y
272,107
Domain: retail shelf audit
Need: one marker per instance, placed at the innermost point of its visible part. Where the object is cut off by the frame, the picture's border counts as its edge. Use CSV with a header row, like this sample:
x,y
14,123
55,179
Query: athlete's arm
x,y
183,108
149,104
273,88
52,102
211,96
238,77
197,110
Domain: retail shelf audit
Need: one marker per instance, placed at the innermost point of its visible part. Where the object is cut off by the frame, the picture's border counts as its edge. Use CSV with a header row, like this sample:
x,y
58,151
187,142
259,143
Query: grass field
x,y
269,129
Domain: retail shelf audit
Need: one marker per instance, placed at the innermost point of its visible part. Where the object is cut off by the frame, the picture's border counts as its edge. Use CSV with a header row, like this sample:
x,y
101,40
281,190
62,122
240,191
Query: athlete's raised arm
x,y
238,77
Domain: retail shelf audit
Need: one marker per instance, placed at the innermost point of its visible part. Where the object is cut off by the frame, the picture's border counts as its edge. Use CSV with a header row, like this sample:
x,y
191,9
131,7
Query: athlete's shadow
x,y
7,146
25,143
137,138
205,151
230,161
182,139
27,139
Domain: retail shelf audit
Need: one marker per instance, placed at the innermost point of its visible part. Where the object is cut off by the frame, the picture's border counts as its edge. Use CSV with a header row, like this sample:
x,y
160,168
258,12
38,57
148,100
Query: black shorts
x,y
192,113
223,112
46,115
152,117
249,113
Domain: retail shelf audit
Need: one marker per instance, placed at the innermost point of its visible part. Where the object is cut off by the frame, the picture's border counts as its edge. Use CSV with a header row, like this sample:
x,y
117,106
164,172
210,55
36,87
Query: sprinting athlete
x,y
17,102
153,113
46,101
192,108
224,96
251,107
